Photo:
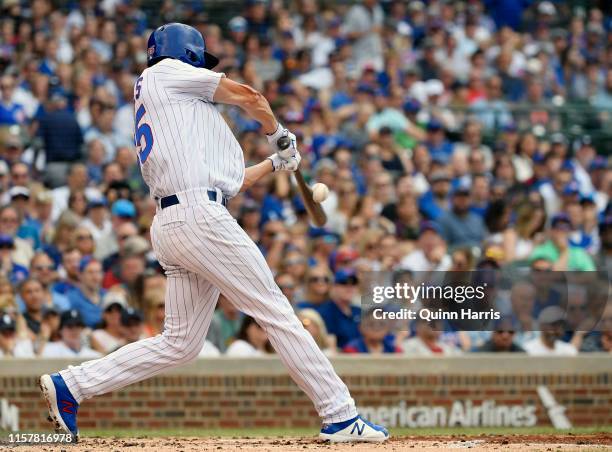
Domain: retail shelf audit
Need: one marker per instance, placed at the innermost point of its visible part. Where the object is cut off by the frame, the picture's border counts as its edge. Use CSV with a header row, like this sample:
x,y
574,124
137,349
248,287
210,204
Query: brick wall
x,y
247,393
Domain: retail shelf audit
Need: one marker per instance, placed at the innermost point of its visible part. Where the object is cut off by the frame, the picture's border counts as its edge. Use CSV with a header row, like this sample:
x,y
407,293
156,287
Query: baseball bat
x,y
314,210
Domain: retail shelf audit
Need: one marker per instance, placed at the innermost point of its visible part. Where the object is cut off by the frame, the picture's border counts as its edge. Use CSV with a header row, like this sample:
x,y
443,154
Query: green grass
x,y
259,432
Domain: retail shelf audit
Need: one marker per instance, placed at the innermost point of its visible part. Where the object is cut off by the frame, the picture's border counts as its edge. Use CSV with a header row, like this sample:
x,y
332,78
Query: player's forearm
x,y
253,173
248,99
259,109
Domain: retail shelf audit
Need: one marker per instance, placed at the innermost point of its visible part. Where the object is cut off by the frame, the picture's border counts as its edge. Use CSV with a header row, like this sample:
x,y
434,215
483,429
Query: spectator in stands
x,y
77,180
132,324
123,231
40,221
426,341
84,241
363,25
459,226
7,296
502,339
272,242
430,253
557,248
315,325
492,111
318,286
209,350
32,294
603,99
341,316
43,269
604,344
523,304
286,283
10,344
109,336
11,112
77,204
435,202
324,243
20,178
22,251
20,199
11,149
62,139
437,144
49,327
130,266
295,264
62,235
405,216
552,326
10,269
225,324
103,114
70,259
87,297
600,340
251,341
375,338
71,340
154,307
96,220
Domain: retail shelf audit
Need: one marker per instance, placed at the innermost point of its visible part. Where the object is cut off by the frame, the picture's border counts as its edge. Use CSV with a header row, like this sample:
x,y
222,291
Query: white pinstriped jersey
x,y
182,140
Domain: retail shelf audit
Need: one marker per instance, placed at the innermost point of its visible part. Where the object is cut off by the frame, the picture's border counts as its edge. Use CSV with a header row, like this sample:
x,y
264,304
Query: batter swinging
x,y
193,164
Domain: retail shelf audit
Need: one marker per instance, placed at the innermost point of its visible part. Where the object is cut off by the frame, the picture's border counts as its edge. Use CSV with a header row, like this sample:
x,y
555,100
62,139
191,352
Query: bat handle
x,y
283,143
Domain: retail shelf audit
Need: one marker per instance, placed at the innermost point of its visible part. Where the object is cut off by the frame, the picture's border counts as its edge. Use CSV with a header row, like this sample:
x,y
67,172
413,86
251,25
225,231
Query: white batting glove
x,y
281,164
282,132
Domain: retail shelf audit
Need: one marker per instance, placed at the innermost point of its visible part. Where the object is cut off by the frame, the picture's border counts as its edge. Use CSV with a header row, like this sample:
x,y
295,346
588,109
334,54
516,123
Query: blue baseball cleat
x,y
62,406
354,430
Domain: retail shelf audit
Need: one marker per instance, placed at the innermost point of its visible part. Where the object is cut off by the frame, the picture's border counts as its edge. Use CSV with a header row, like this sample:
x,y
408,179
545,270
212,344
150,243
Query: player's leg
x,y
190,304
215,245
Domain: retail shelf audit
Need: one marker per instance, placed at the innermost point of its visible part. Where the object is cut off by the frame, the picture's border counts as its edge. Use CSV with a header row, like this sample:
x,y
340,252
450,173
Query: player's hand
x,y
273,140
281,164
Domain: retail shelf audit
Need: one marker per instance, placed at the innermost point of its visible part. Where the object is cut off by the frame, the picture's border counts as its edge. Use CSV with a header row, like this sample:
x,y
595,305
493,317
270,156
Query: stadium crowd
x,y
440,128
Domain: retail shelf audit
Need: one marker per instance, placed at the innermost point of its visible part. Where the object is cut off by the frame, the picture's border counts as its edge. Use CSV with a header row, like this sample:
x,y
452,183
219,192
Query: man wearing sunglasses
x,y
502,339
341,316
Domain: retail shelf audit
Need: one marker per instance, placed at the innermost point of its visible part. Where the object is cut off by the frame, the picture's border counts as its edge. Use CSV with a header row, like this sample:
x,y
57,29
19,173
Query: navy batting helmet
x,y
181,42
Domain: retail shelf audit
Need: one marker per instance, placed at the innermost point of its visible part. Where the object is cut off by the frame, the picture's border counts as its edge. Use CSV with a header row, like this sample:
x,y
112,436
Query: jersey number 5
x,y
142,130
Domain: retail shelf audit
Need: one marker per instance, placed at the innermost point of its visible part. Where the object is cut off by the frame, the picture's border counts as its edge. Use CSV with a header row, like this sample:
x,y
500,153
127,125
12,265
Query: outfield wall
x,y
474,390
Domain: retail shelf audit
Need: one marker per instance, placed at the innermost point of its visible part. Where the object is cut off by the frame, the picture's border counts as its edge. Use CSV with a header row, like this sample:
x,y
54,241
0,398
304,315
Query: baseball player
x,y
193,164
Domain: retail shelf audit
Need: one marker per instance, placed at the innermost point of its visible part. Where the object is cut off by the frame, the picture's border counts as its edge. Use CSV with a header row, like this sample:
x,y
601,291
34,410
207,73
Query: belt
x,y
173,200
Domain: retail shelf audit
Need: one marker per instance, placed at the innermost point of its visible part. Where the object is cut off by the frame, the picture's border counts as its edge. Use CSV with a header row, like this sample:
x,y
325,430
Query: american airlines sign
x,y
467,413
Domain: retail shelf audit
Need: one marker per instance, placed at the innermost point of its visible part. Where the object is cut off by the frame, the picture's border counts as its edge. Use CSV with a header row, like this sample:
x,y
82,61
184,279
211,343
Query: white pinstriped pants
x,y
204,252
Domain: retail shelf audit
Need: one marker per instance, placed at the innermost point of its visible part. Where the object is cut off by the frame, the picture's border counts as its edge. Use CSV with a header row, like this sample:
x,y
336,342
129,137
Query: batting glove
x,y
273,140
290,164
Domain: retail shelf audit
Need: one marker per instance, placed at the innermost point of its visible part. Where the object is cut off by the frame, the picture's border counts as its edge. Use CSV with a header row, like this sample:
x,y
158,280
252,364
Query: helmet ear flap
x,y
192,56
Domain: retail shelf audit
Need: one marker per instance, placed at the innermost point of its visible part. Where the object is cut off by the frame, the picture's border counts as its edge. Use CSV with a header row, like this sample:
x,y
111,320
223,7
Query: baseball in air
x,y
320,192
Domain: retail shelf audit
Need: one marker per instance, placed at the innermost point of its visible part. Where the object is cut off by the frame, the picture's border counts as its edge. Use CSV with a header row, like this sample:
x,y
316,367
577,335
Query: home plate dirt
x,y
564,442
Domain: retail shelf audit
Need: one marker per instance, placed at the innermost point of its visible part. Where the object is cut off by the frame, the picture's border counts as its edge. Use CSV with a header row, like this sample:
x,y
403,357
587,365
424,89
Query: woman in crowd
x,y
108,337
318,285
315,325
530,222
251,341
154,312
83,241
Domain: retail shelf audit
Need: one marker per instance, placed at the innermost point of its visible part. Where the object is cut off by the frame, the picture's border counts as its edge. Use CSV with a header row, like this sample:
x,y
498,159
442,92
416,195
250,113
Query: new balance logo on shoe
x,y
67,408
359,429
